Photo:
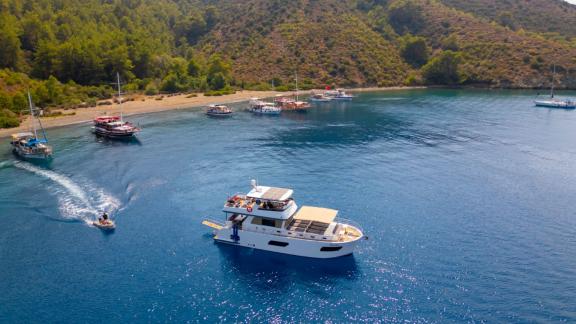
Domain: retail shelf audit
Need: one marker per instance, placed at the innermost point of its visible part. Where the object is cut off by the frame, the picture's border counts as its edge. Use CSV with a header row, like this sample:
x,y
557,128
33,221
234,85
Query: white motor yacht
x,y
338,94
268,218
259,106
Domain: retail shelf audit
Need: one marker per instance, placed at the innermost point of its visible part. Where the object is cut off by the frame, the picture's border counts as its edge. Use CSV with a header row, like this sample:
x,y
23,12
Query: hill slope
x,y
544,16
68,51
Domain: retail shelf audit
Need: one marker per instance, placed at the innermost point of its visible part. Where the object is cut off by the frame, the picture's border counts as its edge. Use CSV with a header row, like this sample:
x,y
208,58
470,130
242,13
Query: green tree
x,y
191,27
8,119
33,31
405,16
193,68
5,101
171,83
211,16
217,81
54,89
11,55
218,65
414,50
19,102
443,69
506,19
450,43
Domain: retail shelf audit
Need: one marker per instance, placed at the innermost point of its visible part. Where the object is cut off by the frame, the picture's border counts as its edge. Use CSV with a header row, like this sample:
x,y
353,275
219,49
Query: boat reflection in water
x,y
273,270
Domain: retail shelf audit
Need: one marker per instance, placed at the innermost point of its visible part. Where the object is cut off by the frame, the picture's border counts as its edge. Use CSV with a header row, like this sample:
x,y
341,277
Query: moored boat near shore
x,y
27,145
289,104
555,102
268,218
218,111
338,94
318,97
261,107
115,126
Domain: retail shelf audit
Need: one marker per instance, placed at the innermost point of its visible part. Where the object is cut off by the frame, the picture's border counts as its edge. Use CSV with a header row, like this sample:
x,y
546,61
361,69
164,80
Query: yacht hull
x,y
287,245
31,155
555,104
113,134
219,114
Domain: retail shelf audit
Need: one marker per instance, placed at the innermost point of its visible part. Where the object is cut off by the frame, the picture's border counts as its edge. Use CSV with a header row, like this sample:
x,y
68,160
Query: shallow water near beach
x,y
467,197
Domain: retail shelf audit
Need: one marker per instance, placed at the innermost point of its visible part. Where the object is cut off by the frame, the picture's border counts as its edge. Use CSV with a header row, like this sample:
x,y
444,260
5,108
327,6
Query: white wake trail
x,y
5,164
76,201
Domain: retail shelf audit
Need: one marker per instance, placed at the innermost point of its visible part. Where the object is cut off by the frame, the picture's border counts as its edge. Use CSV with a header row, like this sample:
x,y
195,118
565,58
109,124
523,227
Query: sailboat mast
x,y
119,96
32,115
553,81
296,86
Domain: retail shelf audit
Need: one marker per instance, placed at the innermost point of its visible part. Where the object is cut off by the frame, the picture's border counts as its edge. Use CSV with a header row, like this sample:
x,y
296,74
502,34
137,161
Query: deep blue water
x,y
467,197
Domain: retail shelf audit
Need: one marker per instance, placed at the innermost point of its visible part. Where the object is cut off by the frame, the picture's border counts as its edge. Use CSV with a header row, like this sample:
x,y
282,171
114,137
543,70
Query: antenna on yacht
x,y
254,184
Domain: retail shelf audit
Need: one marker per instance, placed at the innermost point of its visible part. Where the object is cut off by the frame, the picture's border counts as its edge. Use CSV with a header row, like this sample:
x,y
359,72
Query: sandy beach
x,y
138,106
149,104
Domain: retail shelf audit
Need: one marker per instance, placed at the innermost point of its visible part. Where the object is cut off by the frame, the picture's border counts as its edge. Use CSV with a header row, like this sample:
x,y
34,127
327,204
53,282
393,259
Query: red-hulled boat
x,y
114,126
289,104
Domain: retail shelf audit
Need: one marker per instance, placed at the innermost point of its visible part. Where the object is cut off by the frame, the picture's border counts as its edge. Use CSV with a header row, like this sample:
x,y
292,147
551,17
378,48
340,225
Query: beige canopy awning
x,y
316,214
276,194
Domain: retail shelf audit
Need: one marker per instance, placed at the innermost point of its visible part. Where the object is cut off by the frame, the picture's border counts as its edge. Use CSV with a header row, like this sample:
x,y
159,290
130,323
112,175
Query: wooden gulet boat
x,y
27,145
115,126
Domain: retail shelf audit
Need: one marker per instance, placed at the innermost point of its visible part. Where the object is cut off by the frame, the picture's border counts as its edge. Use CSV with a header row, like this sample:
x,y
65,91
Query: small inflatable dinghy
x,y
107,226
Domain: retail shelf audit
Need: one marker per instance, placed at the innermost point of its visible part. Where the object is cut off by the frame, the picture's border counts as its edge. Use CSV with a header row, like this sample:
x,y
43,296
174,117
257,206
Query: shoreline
x,y
149,104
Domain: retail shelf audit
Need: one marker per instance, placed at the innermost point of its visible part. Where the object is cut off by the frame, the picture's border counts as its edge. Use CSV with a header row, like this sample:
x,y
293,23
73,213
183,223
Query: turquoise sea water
x,y
467,198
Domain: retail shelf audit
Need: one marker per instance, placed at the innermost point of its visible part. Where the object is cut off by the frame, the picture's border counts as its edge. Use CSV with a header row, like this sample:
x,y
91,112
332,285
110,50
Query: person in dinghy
x,y
104,222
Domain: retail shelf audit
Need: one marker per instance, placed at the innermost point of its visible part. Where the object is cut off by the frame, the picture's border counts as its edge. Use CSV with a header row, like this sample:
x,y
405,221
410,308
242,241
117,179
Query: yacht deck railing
x,y
346,221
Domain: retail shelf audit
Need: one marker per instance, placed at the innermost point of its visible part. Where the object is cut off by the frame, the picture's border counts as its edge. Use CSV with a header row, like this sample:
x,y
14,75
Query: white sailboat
x,y
27,145
292,104
554,102
115,126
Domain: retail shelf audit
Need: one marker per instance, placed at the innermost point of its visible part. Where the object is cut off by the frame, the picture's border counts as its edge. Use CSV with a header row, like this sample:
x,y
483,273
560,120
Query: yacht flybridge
x,y
268,218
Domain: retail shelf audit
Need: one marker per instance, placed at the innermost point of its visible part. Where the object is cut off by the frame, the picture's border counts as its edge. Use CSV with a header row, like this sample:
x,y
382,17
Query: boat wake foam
x,y
83,202
5,164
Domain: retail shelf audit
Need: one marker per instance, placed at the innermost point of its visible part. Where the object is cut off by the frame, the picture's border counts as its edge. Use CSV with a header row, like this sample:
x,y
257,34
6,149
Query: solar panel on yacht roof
x,y
274,193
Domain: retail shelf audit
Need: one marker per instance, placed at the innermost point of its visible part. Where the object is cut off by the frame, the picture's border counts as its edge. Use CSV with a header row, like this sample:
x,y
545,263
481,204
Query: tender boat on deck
x,y
269,219
218,111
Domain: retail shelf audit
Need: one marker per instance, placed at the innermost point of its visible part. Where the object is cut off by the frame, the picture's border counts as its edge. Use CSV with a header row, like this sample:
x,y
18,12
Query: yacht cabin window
x,y
267,222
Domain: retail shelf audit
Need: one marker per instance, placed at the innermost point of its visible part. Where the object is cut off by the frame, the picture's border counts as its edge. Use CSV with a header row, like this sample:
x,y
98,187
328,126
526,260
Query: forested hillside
x,y
550,16
68,52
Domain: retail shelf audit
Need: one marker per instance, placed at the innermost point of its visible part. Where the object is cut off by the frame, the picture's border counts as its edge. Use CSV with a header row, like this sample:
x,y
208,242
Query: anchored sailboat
x,y
115,126
290,104
554,102
27,145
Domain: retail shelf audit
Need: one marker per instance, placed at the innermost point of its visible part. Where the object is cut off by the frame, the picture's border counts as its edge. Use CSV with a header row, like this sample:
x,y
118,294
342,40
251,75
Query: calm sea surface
x,y
468,199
